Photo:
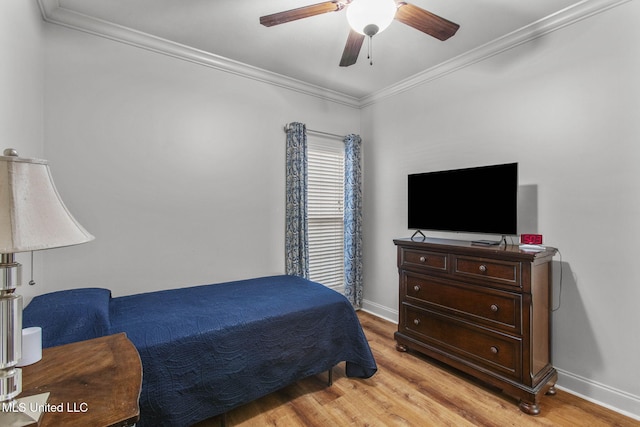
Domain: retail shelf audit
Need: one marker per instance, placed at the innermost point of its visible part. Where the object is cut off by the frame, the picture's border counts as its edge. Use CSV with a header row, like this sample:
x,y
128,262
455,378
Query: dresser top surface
x,y
468,247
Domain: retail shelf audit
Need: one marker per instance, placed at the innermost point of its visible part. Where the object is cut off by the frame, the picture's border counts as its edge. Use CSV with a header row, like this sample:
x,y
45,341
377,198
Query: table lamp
x,y
32,217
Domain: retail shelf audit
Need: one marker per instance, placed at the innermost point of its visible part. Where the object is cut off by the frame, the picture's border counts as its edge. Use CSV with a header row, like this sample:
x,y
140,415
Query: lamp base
x,y
23,412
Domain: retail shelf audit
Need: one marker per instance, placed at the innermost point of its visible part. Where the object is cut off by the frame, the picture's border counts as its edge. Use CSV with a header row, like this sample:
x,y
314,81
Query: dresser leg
x,y
530,408
401,347
551,391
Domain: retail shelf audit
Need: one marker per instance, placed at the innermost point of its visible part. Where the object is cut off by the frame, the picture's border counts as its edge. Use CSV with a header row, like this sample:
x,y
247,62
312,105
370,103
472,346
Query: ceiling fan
x,y
366,19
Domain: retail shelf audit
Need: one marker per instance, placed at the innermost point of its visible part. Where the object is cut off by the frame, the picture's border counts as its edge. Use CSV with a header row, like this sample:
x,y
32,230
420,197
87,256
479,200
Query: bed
x,y
208,349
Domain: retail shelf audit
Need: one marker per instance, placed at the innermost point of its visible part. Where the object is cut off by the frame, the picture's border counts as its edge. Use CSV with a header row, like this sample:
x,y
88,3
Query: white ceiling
x,y
309,50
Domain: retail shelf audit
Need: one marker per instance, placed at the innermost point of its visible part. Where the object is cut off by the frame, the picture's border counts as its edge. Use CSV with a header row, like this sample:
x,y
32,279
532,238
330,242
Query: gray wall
x,y
565,106
176,168
21,96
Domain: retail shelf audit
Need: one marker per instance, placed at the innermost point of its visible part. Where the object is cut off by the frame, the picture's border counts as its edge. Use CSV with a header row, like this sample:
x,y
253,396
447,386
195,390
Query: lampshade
x,y
370,17
32,215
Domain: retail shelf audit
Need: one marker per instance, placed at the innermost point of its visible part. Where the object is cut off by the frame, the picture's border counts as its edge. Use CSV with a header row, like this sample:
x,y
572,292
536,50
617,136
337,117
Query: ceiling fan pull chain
x,y
370,50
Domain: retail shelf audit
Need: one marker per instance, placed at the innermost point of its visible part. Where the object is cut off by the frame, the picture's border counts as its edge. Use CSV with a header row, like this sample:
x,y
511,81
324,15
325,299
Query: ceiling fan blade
x,y
301,12
425,21
352,49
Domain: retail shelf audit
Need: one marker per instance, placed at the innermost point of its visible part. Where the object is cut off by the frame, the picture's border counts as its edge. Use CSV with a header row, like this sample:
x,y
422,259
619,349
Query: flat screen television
x,y
474,200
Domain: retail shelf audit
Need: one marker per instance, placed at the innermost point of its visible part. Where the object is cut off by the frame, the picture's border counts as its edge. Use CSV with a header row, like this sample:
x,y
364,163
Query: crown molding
x,y
53,13
556,21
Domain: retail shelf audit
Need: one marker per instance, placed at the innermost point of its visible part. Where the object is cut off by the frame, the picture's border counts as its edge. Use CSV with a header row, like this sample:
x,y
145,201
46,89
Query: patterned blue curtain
x,y
296,225
353,220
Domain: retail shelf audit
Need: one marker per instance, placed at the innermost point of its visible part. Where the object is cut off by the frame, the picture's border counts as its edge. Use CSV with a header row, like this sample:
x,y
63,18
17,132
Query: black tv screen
x,y
474,200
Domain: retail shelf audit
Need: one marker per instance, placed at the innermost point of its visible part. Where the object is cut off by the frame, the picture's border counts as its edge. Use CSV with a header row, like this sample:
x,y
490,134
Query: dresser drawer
x,y
502,272
434,261
494,351
492,307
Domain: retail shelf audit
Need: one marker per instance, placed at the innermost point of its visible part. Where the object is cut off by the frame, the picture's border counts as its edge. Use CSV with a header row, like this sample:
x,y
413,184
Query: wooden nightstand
x,y
91,383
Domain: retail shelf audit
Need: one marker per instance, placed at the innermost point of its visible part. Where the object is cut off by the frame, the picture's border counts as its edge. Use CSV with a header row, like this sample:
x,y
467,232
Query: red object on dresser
x,y
531,239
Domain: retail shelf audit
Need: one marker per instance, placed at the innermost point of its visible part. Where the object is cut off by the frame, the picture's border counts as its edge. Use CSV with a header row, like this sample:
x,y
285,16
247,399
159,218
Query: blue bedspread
x,y
208,349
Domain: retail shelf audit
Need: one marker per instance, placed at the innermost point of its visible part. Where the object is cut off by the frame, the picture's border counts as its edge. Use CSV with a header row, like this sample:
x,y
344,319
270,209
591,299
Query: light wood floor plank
x,y
409,390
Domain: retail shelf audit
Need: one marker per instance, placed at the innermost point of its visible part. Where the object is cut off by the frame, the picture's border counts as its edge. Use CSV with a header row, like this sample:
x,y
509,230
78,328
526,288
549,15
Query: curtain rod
x,y
319,133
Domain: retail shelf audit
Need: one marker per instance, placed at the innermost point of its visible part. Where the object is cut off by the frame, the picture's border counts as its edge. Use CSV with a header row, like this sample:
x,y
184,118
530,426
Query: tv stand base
x,y
418,232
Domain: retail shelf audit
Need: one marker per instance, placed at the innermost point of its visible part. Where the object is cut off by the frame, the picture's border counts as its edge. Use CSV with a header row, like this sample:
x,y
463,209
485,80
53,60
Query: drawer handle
x,y
494,308
494,349
483,268
416,322
416,288
423,259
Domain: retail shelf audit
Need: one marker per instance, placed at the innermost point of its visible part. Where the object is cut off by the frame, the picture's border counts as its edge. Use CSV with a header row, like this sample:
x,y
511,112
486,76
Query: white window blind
x,y
325,210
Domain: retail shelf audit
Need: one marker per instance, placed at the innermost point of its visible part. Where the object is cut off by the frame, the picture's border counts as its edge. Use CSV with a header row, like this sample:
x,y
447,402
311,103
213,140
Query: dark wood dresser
x,y
483,310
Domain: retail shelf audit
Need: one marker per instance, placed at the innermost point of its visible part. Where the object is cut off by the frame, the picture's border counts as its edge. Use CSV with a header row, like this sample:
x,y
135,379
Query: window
x,y
325,211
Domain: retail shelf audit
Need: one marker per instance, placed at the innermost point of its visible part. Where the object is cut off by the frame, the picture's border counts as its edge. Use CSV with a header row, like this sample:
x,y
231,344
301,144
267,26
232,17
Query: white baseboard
x,y
380,311
601,394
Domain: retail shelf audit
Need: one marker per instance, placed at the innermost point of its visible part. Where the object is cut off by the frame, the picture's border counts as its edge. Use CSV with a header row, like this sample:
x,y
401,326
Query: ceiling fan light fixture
x,y
370,17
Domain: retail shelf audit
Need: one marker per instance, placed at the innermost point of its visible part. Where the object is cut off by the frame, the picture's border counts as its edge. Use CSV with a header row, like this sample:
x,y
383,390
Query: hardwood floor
x,y
408,390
